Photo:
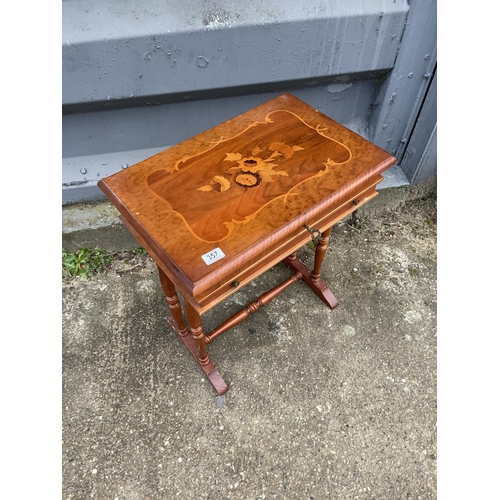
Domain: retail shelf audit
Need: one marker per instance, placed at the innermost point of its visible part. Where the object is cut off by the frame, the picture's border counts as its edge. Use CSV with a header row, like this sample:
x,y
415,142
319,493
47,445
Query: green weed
x,y
84,262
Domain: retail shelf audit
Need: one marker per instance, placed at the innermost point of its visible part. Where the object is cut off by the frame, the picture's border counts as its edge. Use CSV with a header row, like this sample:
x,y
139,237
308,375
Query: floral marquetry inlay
x,y
250,171
237,177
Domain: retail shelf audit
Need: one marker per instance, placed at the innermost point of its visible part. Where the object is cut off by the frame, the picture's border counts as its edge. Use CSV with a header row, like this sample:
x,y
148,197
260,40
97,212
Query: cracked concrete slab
x,y
322,404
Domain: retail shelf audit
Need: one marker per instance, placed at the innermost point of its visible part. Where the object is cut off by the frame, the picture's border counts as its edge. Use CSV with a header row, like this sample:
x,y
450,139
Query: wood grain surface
x,y
243,188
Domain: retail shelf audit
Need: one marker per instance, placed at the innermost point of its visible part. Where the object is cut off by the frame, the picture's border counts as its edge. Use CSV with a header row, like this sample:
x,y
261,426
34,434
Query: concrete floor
x,y
322,404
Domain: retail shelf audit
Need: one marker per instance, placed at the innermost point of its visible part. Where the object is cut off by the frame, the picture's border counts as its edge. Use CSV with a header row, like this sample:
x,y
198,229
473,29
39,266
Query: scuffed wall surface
x,y
140,77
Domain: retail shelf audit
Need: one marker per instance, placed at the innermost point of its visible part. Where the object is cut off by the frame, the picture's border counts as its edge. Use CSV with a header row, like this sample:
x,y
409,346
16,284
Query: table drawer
x,y
280,251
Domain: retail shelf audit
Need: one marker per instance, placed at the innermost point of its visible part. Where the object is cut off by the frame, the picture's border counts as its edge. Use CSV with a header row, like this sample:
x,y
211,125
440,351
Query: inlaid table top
x,y
213,204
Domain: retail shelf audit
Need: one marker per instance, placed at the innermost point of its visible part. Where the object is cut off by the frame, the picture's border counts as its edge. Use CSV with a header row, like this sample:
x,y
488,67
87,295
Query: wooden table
x,y
218,210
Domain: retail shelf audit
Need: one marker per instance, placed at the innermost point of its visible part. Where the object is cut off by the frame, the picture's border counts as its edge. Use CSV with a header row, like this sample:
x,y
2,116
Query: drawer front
x,y
242,276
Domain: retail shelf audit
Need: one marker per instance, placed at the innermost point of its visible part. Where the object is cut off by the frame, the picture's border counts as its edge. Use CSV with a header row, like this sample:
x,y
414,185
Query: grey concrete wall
x,y
121,50
403,93
420,158
140,77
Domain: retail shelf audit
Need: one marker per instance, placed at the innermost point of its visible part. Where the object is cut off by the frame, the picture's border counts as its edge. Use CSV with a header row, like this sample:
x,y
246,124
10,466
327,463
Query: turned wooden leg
x,y
320,255
196,330
196,343
312,278
177,320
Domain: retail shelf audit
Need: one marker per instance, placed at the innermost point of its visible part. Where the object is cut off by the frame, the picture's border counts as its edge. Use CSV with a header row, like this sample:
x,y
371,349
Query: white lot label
x,y
213,256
